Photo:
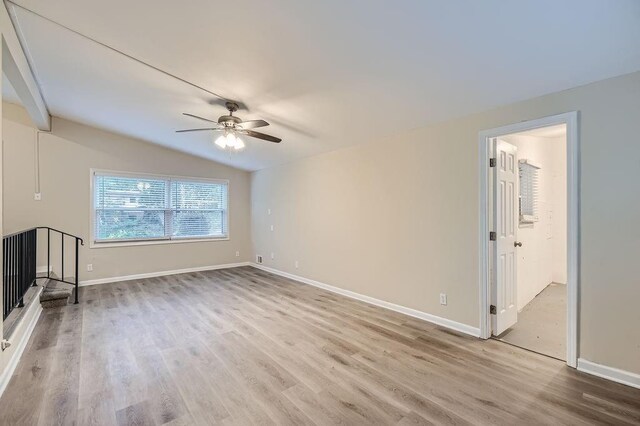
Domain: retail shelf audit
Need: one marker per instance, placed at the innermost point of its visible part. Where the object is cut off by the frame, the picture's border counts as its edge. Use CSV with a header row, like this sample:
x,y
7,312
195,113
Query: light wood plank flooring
x,y
241,346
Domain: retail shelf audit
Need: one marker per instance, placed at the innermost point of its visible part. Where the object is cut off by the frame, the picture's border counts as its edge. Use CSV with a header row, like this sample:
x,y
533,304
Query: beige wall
x,y
398,220
67,155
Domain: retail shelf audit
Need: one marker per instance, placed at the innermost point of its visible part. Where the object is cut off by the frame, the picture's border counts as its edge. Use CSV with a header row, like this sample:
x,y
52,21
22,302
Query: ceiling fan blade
x,y
259,135
198,117
197,130
252,124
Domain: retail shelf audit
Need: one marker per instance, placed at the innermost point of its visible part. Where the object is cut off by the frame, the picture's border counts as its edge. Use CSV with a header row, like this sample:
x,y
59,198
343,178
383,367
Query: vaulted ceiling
x,y
326,74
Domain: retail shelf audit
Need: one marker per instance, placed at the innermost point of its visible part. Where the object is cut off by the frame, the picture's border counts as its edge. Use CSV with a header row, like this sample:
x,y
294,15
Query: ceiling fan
x,y
232,127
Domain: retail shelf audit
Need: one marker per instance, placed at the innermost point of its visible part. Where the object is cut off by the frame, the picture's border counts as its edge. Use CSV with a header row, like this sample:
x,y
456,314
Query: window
x,y
528,173
128,207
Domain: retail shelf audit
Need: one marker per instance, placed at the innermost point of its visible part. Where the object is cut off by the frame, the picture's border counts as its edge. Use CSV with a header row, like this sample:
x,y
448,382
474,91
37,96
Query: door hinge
x,y
492,162
492,236
492,309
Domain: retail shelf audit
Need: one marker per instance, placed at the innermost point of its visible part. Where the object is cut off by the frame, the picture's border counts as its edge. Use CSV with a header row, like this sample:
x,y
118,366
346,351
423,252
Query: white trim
x,y
106,172
133,243
17,65
160,274
573,221
43,270
610,373
161,240
444,322
24,332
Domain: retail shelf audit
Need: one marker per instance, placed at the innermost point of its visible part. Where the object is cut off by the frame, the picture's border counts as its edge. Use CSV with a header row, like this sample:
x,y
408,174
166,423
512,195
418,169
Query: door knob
x,y
517,244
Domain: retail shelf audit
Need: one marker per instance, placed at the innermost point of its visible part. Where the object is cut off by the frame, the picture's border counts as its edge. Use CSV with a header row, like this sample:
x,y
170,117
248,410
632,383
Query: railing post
x,y
20,270
34,256
5,252
77,247
14,271
11,280
48,253
62,254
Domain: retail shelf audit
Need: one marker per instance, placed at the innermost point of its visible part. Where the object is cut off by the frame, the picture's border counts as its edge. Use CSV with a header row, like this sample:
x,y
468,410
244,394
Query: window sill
x,y
106,244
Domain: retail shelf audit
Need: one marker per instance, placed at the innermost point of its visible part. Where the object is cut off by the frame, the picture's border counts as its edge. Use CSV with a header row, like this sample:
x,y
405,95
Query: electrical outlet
x,y
443,299
296,264
37,196
272,227
273,255
258,258
237,254
89,267
269,212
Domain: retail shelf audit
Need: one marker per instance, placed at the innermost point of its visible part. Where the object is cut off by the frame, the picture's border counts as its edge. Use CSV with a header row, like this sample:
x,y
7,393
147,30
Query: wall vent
x,y
258,258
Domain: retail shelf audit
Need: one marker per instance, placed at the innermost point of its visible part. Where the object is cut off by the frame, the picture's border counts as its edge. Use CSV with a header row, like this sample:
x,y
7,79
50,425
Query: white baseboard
x,y
43,269
160,274
610,373
454,325
19,340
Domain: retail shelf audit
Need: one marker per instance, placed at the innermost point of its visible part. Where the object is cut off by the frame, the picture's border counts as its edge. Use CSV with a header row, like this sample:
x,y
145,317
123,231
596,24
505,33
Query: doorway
x,y
528,241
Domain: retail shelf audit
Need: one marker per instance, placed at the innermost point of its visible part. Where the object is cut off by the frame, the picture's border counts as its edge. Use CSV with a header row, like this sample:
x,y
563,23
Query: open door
x,y
505,180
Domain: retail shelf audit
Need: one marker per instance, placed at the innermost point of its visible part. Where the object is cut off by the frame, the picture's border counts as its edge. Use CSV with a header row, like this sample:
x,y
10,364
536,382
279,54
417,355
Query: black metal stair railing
x,y
19,263
19,268
77,243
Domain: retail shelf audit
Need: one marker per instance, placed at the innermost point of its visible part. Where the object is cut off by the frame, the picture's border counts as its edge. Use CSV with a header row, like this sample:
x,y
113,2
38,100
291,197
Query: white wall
x,y
546,238
398,220
66,157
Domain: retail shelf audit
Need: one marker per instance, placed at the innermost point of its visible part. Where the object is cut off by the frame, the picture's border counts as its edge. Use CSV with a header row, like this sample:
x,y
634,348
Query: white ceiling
x,y
326,74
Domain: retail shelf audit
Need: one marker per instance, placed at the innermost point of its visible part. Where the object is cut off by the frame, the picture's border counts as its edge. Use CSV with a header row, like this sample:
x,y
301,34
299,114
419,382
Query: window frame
x,y
93,243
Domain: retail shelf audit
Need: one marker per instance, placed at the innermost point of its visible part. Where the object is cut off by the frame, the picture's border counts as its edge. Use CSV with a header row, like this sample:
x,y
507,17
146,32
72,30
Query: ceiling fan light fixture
x,y
239,144
221,142
229,140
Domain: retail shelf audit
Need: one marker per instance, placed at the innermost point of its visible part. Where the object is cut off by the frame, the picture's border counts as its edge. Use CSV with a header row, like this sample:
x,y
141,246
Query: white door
x,y
505,179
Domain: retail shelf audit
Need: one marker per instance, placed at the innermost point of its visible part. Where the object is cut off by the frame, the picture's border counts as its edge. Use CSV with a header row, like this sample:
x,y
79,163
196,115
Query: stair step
x,y
55,294
54,303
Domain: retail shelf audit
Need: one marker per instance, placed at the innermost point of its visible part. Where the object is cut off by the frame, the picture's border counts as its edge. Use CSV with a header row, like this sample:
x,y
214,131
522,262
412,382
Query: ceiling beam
x,y
16,67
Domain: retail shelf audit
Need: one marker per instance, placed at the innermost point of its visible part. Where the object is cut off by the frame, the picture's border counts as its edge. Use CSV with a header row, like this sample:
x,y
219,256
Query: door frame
x,y
570,119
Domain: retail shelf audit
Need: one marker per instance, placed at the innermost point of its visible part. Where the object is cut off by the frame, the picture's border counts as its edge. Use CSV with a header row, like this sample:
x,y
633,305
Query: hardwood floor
x,y
241,346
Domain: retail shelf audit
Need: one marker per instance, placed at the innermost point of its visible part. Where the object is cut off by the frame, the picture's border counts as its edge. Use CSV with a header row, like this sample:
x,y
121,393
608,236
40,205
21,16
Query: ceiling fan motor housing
x,y
231,106
229,120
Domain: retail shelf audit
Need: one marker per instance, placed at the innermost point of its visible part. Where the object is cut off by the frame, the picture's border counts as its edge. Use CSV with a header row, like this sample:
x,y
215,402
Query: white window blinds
x,y
198,209
528,174
130,208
